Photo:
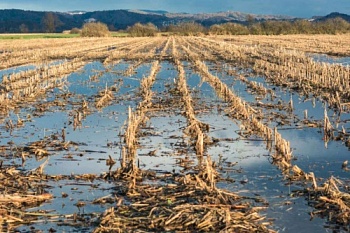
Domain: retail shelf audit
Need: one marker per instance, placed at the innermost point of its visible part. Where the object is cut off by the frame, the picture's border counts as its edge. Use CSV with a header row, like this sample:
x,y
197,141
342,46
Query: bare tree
x,y
139,29
49,22
23,28
250,20
95,30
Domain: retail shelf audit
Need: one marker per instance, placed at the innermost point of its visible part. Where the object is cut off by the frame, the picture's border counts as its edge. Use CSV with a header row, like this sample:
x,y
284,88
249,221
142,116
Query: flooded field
x,y
174,134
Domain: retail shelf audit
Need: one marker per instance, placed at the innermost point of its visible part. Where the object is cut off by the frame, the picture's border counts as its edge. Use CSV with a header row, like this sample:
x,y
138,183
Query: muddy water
x,y
15,70
97,138
253,173
329,59
248,165
245,163
162,140
18,69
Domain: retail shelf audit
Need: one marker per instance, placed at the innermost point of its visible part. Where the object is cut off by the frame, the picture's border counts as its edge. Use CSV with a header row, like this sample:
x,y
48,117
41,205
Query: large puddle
x,y
245,164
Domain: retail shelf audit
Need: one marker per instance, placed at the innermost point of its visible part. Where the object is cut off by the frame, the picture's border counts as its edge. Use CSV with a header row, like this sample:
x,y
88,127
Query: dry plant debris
x,y
189,202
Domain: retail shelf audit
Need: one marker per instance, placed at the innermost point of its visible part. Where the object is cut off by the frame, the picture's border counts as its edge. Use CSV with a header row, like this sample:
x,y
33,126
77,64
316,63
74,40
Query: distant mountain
x,y
159,12
121,19
208,19
76,12
226,16
332,16
13,21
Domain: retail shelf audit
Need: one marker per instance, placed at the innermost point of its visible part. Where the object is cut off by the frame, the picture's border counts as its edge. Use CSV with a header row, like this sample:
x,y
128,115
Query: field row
x,y
262,88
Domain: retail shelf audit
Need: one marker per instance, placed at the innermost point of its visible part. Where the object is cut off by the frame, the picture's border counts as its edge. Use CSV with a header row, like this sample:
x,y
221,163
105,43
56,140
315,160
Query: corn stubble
x,y
189,202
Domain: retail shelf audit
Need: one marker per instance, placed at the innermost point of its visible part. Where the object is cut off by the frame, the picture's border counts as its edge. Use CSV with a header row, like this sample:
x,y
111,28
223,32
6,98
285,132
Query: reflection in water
x,y
254,175
244,161
332,60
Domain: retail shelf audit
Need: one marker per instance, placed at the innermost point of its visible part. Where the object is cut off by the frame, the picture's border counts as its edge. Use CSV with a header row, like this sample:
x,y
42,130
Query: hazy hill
x,y
208,19
11,20
228,16
149,12
121,19
333,16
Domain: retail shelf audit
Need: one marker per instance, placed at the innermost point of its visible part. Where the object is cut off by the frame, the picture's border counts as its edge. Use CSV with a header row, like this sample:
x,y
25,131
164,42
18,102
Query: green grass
x,y
36,36
120,34
27,36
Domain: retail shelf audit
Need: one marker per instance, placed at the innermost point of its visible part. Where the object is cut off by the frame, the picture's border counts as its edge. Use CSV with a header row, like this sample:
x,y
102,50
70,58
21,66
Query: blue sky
x,y
297,8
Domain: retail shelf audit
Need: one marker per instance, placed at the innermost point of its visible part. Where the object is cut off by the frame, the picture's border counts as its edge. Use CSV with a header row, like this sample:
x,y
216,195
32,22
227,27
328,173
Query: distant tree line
x,y
330,26
271,27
